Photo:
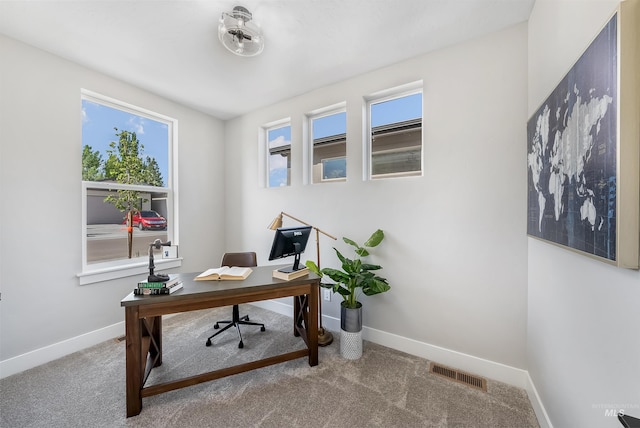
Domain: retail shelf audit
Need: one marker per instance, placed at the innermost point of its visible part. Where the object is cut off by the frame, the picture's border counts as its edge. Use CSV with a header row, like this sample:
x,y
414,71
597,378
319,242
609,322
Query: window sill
x,y
123,271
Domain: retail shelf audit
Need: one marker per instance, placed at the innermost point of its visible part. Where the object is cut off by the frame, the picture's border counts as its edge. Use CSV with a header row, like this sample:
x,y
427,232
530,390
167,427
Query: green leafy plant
x,y
355,276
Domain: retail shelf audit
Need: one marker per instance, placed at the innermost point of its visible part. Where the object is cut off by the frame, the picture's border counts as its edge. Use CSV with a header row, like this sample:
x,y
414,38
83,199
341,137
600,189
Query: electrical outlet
x,y
327,295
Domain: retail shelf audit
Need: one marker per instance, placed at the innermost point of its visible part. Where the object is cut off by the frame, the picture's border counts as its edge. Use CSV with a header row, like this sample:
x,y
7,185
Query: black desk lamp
x,y
156,277
324,336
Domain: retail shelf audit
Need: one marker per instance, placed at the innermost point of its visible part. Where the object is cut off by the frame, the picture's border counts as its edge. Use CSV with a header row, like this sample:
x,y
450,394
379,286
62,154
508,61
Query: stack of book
x,y
155,288
288,276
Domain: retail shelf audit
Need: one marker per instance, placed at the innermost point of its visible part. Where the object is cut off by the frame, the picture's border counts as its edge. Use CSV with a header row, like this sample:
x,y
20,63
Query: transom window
x,y
127,183
395,134
329,146
279,158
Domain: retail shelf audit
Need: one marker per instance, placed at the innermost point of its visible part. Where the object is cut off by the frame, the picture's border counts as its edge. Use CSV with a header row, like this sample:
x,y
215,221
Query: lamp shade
x,y
276,223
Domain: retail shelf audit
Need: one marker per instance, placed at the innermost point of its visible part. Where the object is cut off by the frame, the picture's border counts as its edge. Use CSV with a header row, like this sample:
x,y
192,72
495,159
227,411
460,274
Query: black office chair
x,y
246,259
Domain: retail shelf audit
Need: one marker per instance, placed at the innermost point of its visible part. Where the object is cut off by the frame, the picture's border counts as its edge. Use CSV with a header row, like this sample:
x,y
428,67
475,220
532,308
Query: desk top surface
x,y
260,278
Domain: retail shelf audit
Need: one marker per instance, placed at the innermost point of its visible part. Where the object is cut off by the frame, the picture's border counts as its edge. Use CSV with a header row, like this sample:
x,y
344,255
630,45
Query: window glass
x,y
329,138
279,144
127,191
396,136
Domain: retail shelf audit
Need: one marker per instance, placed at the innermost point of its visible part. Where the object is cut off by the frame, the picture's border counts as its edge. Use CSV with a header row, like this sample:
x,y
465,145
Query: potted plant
x,y
354,278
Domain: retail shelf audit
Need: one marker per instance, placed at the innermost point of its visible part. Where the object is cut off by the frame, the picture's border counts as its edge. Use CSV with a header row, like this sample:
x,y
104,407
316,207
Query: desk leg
x,y
156,333
133,360
305,319
312,325
298,306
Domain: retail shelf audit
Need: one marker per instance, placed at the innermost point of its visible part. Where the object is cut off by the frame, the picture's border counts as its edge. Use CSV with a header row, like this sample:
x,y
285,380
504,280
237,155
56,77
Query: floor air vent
x,y
459,376
120,339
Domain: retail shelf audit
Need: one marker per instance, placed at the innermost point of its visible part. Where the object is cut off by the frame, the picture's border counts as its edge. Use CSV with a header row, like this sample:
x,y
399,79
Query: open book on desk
x,y
224,272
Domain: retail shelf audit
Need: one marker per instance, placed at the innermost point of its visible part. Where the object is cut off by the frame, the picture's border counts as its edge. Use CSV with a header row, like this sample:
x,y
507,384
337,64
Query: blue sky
x,y
396,110
278,164
99,120
279,136
382,113
334,124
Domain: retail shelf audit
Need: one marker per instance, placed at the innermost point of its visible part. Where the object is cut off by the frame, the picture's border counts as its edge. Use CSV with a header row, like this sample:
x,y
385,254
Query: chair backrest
x,y
246,259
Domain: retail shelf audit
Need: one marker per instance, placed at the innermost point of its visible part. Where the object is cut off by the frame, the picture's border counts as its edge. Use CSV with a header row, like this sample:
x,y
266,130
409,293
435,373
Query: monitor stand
x,y
296,263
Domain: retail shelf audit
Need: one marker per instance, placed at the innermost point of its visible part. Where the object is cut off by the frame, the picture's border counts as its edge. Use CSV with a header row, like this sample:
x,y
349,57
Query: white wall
x,y
584,316
455,249
40,217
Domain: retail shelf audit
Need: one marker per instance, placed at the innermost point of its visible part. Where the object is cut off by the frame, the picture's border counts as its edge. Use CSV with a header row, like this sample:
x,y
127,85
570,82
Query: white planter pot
x,y
350,345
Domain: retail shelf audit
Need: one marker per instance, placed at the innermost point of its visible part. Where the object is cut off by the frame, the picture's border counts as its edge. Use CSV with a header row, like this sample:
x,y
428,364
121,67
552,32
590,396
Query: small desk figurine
x,y
156,277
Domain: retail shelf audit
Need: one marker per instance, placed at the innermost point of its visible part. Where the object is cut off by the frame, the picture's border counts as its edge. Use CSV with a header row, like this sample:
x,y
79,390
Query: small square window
x,y
395,135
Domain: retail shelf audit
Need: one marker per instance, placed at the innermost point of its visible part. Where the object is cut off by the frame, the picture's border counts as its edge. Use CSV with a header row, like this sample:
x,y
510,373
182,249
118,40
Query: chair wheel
x,y
208,342
216,325
262,328
241,345
247,317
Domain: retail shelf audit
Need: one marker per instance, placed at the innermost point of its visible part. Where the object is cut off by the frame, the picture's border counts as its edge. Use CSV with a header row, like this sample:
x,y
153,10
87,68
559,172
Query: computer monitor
x,y
290,241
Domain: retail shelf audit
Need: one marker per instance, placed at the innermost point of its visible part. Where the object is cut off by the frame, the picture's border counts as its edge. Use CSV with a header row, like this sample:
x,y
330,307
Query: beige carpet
x,y
385,388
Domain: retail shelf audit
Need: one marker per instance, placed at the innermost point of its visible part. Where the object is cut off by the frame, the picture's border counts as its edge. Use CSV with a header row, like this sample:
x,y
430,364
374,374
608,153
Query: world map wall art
x,y
572,157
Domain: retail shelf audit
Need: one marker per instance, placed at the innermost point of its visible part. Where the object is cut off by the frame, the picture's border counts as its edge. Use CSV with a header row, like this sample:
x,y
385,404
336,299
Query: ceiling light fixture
x,y
239,33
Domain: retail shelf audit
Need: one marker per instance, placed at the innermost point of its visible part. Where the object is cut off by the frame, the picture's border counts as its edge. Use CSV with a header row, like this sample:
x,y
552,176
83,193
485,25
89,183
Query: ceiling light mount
x,y
239,33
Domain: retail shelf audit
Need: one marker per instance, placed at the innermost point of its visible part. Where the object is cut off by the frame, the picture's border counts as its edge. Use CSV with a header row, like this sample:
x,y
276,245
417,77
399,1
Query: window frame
x,y
329,180
367,152
309,140
114,269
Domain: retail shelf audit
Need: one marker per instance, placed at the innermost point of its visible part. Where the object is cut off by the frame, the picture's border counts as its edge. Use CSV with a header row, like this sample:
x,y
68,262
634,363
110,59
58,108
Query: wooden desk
x,y
143,323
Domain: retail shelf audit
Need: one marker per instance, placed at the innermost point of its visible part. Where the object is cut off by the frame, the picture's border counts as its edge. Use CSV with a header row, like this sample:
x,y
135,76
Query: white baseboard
x,y
52,352
479,366
329,323
496,371
536,403
492,370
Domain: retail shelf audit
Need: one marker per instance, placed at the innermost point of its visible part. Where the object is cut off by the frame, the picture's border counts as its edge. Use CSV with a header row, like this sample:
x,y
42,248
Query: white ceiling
x,y
171,48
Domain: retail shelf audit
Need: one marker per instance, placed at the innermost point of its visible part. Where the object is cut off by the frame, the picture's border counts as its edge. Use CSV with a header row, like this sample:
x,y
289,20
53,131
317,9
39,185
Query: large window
x,y
328,136
395,134
279,158
127,184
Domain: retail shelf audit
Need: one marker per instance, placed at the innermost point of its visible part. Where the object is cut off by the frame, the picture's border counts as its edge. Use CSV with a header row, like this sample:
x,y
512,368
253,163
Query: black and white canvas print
x,y
572,154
